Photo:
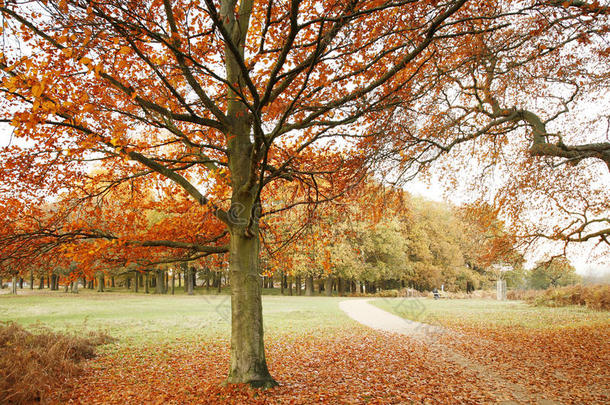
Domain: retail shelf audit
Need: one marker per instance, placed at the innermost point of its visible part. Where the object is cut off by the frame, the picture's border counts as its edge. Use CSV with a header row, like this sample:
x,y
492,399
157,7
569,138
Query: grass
x,y
491,313
154,319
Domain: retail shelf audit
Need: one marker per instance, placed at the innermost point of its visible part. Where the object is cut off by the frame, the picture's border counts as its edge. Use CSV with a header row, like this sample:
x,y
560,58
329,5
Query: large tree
x,y
220,100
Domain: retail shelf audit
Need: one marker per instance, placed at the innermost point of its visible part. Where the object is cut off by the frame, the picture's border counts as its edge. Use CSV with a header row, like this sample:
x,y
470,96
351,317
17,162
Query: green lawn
x,y
150,319
486,313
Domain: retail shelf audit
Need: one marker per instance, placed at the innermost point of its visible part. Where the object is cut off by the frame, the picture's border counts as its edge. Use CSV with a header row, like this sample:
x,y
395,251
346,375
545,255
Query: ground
x,y
174,349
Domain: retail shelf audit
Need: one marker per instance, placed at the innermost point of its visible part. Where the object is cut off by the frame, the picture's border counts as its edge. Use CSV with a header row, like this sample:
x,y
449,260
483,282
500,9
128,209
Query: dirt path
x,y
369,315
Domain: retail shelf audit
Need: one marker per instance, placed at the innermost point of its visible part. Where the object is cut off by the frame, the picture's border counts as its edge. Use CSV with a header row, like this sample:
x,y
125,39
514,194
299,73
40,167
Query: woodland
x,y
162,142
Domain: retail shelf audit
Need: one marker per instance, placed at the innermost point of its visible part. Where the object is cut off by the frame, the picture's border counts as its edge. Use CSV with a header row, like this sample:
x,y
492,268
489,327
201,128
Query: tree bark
x,y
309,286
173,282
289,282
146,282
340,287
31,280
188,284
21,283
328,286
219,283
112,282
297,284
14,286
41,283
136,281
100,283
248,363
159,282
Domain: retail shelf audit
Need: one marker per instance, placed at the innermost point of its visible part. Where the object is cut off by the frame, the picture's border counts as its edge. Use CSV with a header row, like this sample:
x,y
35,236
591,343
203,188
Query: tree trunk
x,y
100,283
128,283
21,283
173,282
14,286
328,286
289,282
309,286
297,284
248,363
41,283
159,282
194,276
282,282
340,287
74,286
207,280
146,282
270,282
166,282
136,281
31,279
219,283
188,284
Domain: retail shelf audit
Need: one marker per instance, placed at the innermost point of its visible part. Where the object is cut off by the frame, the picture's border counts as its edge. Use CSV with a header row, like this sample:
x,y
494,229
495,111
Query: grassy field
x,y
139,319
490,313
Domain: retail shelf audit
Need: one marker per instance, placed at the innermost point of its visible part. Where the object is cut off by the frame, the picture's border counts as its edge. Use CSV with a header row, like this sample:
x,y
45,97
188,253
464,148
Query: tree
x,y
516,119
221,101
555,273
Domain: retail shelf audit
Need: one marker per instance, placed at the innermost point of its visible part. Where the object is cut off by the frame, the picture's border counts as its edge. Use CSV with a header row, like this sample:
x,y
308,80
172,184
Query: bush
x,y
522,295
594,296
31,365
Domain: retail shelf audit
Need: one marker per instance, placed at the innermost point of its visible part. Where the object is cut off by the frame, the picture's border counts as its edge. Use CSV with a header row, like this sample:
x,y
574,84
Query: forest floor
x,y
175,350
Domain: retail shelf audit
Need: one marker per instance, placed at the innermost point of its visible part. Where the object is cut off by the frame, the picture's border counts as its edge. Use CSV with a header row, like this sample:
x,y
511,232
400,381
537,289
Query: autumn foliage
x,y
34,364
592,296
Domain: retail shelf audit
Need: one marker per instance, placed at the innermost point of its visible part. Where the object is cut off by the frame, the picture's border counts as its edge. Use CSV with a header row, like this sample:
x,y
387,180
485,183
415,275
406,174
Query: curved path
x,y
369,315
373,317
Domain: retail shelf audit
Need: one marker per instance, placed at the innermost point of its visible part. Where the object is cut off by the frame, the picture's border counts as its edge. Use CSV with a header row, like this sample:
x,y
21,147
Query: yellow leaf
x,y
37,90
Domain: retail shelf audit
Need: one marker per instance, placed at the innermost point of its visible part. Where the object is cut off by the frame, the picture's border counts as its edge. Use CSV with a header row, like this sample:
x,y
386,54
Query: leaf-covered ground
x,y
361,366
568,365
175,350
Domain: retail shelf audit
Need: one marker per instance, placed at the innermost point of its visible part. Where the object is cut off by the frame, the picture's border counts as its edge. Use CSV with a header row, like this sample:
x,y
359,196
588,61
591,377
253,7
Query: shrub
x,y
594,296
31,365
522,295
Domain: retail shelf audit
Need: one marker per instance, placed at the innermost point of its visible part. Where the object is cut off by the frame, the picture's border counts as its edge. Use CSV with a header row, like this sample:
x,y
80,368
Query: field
x,y
175,349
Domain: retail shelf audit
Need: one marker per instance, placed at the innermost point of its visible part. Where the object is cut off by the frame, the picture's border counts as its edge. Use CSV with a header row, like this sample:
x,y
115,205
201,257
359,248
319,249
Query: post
x,y
501,290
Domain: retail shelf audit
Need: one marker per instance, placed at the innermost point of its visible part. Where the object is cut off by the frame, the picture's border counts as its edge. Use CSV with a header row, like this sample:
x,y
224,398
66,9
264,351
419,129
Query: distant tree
x,y
555,273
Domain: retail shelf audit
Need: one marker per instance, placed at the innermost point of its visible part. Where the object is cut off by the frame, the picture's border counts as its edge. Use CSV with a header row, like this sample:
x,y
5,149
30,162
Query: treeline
x,y
402,243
